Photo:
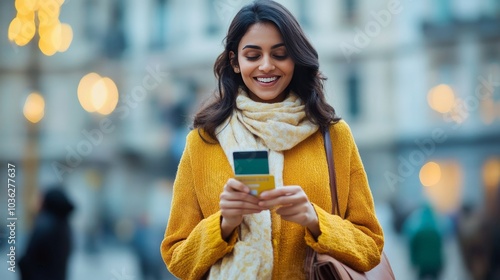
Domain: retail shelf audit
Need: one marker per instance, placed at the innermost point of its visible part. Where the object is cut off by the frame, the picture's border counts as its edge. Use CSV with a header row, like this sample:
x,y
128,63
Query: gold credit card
x,y
257,183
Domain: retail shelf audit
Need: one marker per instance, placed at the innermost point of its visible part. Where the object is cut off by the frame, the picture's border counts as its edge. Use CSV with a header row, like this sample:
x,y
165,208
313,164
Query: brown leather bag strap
x,y
331,170
383,270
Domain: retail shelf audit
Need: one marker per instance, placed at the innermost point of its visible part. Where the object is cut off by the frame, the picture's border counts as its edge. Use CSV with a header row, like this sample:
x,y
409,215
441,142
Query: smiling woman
x,y
269,98
264,64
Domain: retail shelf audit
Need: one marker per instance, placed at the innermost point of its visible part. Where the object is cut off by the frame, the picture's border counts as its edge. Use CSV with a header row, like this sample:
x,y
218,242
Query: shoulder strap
x,y
331,170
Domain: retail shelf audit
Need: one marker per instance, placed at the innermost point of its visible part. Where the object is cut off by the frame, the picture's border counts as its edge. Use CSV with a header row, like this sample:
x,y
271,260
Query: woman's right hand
x,y
236,201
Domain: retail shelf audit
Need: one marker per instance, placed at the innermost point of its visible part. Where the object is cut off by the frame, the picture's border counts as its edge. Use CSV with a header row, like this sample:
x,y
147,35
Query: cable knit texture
x,y
193,240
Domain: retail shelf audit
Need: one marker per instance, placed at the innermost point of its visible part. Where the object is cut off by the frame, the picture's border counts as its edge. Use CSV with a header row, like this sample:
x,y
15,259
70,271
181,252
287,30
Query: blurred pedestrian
x,y
145,244
425,242
270,97
494,229
49,247
474,240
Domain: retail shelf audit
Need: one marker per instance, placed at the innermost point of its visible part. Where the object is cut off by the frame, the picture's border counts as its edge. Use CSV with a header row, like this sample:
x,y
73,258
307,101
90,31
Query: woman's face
x,y
264,64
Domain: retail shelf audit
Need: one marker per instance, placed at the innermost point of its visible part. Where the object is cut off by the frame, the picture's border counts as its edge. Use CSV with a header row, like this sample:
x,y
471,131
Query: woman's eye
x,y
253,58
281,57
276,56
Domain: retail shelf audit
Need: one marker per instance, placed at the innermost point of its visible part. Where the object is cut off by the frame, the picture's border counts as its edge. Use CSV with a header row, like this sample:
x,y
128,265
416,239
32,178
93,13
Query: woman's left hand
x,y
294,206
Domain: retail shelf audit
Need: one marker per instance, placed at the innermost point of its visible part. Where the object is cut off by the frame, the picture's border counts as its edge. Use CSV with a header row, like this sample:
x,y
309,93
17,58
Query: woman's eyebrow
x,y
260,48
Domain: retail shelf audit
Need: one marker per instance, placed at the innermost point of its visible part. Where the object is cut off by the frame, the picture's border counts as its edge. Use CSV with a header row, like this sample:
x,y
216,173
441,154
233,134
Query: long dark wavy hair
x,y
307,81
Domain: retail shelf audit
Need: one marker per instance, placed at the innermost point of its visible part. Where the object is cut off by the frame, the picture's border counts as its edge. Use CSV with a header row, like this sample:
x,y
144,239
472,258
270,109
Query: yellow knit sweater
x,y
193,239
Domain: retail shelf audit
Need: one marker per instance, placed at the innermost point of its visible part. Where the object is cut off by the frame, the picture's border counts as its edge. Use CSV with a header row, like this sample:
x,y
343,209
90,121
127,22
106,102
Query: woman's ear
x,y
234,62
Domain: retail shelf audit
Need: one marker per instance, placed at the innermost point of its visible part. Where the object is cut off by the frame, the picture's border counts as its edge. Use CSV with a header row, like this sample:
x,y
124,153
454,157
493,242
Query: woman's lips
x,y
267,81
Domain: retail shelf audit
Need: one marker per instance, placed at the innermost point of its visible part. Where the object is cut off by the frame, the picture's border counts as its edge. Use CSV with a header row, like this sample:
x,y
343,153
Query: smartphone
x,y
252,169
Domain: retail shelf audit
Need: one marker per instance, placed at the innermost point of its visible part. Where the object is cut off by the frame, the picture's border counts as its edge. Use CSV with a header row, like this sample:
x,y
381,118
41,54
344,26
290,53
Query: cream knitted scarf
x,y
276,127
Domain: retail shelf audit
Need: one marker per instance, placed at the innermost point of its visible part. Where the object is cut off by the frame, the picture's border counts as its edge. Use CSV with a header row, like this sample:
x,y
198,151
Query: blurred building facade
x,y
383,60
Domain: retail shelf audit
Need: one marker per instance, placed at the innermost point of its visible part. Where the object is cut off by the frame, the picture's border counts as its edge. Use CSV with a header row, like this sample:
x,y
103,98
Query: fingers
x,y
288,190
239,205
293,209
234,190
233,185
294,206
286,196
235,201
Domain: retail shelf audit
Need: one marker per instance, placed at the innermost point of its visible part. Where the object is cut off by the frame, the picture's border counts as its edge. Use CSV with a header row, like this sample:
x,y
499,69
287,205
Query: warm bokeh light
x,y
111,100
54,36
85,89
22,29
66,37
47,47
446,194
98,94
26,6
441,98
48,10
34,107
45,29
491,173
430,174
14,28
48,17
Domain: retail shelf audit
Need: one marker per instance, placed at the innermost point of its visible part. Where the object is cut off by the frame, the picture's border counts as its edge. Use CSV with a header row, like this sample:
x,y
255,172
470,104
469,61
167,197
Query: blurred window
x,y
303,13
489,84
115,41
444,12
444,65
492,8
91,25
158,38
353,94
446,72
350,11
213,26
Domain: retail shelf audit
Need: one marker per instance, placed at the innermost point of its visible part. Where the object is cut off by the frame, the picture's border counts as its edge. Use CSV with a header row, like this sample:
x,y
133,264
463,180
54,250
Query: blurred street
x,y
97,97
397,250
111,263
120,263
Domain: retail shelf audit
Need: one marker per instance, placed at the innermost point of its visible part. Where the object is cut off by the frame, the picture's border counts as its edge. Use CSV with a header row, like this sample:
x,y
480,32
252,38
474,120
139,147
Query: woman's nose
x,y
267,64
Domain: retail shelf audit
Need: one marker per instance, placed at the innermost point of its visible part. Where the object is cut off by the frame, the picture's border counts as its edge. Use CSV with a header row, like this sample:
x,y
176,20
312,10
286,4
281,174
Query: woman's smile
x,y
267,81
264,64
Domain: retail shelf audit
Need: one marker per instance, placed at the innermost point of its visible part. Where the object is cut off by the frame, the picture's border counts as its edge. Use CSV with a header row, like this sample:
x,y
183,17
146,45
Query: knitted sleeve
x,y
191,243
357,239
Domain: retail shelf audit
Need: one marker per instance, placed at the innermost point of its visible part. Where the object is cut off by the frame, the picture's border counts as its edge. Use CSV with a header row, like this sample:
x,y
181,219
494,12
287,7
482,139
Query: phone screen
x,y
251,162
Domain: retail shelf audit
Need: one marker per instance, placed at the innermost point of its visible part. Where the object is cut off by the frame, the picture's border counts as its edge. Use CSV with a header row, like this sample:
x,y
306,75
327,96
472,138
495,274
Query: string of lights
x,y
54,36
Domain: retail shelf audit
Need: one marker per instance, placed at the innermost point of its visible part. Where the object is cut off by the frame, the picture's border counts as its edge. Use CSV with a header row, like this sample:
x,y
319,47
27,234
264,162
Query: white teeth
x,y
267,80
